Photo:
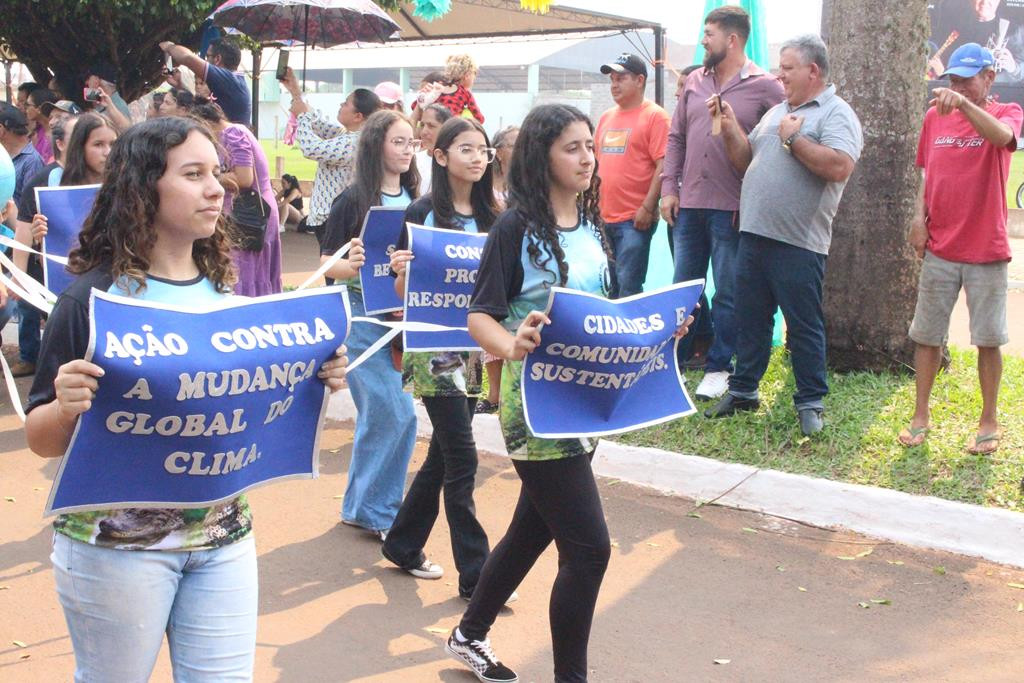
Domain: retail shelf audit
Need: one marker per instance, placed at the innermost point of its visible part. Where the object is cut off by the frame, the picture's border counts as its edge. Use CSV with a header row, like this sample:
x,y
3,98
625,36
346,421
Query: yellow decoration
x,y
536,6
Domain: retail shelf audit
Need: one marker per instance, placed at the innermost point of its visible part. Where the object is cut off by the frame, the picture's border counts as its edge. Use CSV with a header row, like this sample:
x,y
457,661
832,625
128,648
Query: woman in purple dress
x,y
259,272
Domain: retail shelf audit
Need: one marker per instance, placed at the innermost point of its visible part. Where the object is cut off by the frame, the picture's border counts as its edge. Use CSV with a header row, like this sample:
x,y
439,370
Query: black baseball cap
x,y
13,119
626,62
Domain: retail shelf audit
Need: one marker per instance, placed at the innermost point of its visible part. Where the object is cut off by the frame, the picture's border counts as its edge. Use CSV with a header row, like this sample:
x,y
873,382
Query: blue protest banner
x,y
381,228
65,209
195,407
607,366
438,286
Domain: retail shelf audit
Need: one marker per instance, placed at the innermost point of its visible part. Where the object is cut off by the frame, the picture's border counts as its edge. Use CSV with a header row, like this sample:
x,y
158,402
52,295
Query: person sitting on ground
x,y
220,72
959,229
390,94
331,144
431,118
289,201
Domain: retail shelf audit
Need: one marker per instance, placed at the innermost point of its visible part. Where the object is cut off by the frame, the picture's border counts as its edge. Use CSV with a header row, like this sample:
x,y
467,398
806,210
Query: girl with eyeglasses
x,y
385,422
448,383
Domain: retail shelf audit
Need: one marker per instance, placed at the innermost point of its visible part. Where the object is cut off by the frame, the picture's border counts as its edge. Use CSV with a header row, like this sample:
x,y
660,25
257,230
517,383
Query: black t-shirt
x,y
27,207
67,334
344,223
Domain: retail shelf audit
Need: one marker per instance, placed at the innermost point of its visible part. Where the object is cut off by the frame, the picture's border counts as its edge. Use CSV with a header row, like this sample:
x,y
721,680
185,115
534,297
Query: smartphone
x,y
168,65
282,64
90,95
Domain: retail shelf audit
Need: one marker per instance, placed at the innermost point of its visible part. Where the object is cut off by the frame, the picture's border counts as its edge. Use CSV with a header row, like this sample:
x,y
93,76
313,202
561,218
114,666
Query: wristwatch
x,y
787,144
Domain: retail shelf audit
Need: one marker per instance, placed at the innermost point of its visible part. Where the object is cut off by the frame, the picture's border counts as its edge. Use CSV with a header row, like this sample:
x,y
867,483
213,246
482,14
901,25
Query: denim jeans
x,y
772,273
450,468
119,604
632,249
700,236
385,430
559,501
29,336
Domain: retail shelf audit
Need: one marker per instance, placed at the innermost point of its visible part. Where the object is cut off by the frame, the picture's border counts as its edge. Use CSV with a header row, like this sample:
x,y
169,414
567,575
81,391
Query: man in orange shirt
x,y
630,148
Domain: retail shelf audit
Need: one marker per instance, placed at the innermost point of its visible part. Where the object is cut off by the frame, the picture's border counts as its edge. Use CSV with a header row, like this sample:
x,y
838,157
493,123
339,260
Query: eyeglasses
x,y
470,151
406,143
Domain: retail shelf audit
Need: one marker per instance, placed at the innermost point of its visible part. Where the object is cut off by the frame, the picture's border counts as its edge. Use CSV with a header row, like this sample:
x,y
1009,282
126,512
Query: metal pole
x,y
659,62
305,46
257,55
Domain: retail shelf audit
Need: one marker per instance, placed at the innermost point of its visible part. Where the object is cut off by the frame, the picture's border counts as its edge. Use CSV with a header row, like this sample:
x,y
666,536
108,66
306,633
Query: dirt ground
x,y
770,599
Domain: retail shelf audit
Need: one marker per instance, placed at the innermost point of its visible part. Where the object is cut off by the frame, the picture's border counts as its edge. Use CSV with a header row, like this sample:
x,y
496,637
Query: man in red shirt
x,y
630,148
960,230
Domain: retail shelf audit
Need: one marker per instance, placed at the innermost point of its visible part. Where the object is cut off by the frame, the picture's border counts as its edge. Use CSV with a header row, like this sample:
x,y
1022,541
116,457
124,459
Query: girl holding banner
x,y
125,577
550,235
448,382
385,420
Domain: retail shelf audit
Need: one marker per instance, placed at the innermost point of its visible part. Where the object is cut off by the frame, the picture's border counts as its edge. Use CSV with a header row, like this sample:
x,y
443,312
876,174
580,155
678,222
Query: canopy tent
x,y
495,20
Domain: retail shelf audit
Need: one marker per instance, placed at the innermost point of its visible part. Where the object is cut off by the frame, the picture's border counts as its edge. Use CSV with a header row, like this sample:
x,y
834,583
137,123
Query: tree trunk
x,y
877,56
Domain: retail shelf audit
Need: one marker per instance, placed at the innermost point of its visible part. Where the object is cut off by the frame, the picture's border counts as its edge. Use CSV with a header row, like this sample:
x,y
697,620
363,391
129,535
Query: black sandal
x,y
485,407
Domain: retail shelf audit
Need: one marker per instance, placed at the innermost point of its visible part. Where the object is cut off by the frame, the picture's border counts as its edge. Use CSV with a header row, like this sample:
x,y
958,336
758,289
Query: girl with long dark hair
x,y
550,235
448,383
504,143
127,577
385,422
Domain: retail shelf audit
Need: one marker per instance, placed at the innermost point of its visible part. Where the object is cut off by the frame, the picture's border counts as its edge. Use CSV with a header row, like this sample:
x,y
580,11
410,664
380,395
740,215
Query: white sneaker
x,y
713,385
427,570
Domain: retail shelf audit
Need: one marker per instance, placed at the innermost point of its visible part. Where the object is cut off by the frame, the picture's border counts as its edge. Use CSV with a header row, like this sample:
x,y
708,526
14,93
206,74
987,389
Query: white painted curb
x,y
922,521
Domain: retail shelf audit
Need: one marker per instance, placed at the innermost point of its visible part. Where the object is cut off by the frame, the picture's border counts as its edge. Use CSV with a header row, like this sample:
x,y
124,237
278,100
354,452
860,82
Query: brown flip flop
x,y
982,444
910,437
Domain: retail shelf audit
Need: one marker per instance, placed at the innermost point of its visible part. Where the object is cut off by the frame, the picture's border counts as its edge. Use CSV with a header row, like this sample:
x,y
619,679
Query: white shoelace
x,y
484,647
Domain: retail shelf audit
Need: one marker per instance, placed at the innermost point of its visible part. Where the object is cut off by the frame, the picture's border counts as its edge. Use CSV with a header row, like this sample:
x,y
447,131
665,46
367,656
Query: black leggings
x,y
559,500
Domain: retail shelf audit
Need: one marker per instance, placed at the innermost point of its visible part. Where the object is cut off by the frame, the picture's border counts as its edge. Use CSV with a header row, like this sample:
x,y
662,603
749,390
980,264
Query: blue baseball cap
x,y
967,60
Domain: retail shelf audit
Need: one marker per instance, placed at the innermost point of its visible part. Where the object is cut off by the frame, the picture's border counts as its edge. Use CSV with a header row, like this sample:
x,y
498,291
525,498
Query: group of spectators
x,y
751,169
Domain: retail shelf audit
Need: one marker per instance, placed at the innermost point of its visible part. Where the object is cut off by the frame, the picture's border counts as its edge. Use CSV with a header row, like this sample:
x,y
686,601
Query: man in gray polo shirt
x,y
796,162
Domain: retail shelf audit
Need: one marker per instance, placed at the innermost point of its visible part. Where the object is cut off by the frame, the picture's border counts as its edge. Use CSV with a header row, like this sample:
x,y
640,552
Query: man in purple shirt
x,y
700,192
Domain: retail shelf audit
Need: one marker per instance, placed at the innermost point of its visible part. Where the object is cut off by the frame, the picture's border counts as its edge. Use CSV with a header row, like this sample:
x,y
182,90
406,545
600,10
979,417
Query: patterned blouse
x,y
334,149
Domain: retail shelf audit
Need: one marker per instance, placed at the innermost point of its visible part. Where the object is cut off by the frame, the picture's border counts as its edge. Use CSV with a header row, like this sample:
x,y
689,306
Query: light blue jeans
x,y
119,604
385,430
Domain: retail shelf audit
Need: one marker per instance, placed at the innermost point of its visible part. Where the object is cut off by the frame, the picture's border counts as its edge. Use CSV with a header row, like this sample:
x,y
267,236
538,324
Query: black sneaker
x,y
479,657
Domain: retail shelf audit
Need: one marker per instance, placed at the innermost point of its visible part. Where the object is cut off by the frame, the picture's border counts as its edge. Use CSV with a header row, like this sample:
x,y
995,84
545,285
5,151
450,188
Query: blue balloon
x,y
6,177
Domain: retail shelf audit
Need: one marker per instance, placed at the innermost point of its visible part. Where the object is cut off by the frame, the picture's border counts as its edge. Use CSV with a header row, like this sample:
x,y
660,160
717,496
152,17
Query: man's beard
x,y
711,59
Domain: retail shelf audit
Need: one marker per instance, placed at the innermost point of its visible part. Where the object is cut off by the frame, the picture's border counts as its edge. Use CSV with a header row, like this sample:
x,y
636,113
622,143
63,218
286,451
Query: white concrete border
x,y
922,521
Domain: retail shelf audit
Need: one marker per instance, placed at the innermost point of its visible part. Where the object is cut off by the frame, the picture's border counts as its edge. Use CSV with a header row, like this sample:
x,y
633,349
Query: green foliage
x,y
68,35
864,412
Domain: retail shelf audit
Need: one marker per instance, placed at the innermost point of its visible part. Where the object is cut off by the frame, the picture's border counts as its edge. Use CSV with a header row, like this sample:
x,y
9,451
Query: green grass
x,y
864,413
1016,178
294,163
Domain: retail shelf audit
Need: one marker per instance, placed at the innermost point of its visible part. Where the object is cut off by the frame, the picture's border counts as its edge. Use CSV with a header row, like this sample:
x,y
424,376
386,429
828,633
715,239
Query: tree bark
x,y
877,56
